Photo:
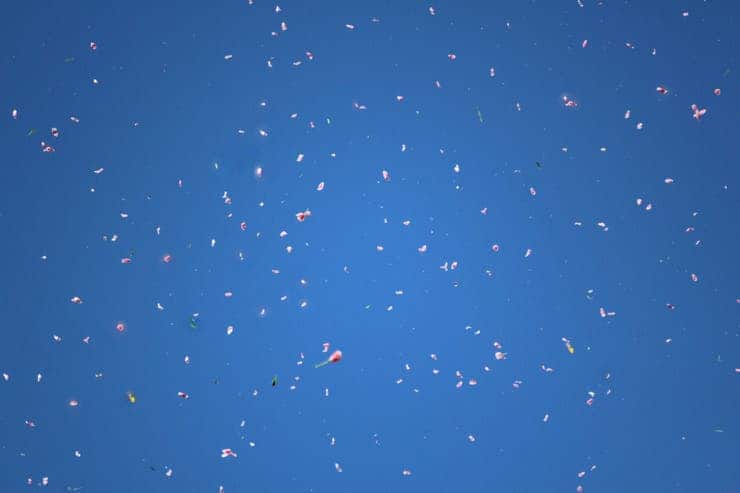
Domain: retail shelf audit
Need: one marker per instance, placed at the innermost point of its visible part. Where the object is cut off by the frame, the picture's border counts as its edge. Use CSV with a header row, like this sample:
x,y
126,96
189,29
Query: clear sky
x,y
516,229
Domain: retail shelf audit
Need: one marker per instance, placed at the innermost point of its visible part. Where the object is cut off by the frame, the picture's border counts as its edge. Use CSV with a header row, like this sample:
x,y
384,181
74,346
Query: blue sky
x,y
203,96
